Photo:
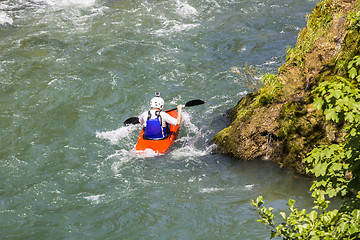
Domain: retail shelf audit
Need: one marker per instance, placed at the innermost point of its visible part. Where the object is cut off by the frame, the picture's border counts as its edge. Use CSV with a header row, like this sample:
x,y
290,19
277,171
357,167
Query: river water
x,y
72,71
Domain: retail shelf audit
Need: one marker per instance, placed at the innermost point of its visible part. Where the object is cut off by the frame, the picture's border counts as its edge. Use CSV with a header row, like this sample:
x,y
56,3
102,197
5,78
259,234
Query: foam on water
x,y
183,19
95,199
211,190
121,157
68,3
186,121
186,152
5,19
172,26
184,9
116,135
249,186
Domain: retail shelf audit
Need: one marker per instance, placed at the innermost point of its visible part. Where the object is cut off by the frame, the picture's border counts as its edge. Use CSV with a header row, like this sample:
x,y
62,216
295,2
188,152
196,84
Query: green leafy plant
x,y
317,224
354,20
339,100
354,67
336,168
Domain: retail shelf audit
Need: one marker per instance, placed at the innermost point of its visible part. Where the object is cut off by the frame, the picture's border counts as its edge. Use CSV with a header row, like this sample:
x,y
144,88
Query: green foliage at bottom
x,y
317,224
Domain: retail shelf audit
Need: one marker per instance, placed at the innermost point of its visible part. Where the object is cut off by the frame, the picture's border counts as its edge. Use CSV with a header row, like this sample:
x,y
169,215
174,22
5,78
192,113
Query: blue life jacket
x,y
154,129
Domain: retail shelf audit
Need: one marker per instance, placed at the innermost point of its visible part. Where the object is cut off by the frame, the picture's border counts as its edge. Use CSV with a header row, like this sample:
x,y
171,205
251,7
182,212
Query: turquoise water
x,y
72,71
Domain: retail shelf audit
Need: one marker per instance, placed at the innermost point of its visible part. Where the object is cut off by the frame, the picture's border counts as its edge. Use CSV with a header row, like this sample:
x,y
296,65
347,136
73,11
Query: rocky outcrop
x,y
278,121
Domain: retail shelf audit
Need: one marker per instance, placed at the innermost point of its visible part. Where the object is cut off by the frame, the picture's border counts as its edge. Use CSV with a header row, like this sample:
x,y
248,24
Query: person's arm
x,y
179,115
141,119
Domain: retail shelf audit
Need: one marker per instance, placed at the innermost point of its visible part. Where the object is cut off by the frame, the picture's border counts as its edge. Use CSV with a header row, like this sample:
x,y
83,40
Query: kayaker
x,y
155,121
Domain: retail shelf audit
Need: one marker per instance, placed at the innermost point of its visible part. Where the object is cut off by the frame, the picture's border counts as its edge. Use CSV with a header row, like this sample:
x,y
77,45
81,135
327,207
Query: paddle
x,y
189,104
132,120
135,120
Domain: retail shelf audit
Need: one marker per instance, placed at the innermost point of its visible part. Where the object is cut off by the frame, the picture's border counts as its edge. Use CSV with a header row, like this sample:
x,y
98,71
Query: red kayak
x,y
159,147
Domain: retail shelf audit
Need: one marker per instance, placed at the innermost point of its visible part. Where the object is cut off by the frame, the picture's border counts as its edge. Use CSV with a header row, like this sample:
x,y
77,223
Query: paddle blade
x,y
189,104
194,103
132,120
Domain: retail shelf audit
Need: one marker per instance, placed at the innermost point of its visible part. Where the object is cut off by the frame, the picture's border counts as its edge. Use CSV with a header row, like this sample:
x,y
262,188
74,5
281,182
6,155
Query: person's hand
x,y
179,107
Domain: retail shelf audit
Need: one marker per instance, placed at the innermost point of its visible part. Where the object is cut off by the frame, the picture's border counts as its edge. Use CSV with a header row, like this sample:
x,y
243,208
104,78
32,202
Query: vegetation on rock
x,y
307,118
279,121
336,166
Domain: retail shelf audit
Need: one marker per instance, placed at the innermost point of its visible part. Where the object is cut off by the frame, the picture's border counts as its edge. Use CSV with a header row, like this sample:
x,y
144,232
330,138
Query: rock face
x,y
278,122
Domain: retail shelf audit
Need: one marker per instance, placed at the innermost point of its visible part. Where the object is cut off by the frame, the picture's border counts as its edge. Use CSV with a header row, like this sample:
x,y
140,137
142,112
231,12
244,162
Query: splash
x,y
187,151
94,199
211,190
172,26
188,124
185,10
5,19
116,135
147,153
71,3
194,138
249,186
121,158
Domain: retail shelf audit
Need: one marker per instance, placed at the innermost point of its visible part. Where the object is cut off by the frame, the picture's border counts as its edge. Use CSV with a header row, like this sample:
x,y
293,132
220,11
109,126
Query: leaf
x,y
318,102
273,234
330,114
313,215
283,215
353,132
352,73
342,227
353,104
291,203
259,201
356,215
336,166
353,228
351,64
337,93
357,58
349,153
349,117
320,169
331,192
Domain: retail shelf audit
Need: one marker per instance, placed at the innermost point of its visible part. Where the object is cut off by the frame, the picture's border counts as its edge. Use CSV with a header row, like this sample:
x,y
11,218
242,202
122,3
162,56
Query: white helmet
x,y
157,102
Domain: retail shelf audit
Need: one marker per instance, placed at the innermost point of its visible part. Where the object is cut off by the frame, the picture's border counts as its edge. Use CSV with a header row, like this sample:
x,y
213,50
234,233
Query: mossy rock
x,y
323,50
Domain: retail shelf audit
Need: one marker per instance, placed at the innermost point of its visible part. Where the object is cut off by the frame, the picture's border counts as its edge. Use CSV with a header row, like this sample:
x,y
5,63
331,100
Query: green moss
x,y
287,126
350,49
354,19
240,110
317,26
222,137
299,131
289,117
270,91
